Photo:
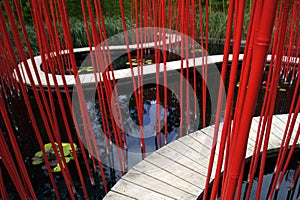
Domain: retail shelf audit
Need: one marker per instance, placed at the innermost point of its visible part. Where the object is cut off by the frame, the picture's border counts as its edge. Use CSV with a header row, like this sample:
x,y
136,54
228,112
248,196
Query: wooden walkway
x,y
178,170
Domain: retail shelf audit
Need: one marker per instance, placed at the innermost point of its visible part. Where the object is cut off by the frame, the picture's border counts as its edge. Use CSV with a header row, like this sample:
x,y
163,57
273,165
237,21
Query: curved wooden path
x,y
178,170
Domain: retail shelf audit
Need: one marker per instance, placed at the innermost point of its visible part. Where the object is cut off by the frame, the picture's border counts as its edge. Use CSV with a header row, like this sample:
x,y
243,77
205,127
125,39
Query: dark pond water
x,y
29,146
283,192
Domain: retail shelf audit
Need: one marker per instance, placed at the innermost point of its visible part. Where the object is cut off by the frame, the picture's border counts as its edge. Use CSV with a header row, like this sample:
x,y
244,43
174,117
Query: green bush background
x,y
113,21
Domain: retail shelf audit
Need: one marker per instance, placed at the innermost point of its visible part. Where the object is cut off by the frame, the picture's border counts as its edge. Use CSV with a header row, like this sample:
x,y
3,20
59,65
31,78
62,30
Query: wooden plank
x,y
278,127
135,191
279,122
182,160
188,147
201,159
272,140
282,120
150,183
112,195
172,167
202,138
252,137
210,130
193,144
164,176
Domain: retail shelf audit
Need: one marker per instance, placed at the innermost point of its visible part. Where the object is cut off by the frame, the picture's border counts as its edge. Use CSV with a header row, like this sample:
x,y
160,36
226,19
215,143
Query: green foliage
x,y
217,26
74,9
67,153
111,8
113,21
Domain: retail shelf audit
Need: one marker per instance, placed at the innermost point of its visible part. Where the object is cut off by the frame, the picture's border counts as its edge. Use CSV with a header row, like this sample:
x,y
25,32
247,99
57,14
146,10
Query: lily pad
x,y
67,146
48,146
67,152
57,168
149,63
89,69
38,154
282,90
38,161
133,63
67,159
196,50
35,158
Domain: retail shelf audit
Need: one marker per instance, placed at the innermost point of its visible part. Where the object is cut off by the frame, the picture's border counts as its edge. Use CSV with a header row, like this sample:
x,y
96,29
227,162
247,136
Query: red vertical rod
x,y
186,47
52,34
16,148
282,159
218,112
296,176
8,162
259,56
143,147
23,89
181,14
157,66
232,79
47,49
193,34
289,158
273,91
204,66
163,11
3,190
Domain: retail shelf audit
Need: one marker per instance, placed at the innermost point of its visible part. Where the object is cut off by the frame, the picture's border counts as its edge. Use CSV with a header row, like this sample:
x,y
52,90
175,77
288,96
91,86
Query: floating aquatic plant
x,y
88,69
196,50
282,89
67,152
135,63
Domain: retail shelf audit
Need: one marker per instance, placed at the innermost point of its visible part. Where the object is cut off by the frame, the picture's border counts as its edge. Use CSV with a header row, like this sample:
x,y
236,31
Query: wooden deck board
x,y
148,182
112,195
177,169
135,191
187,149
183,160
163,175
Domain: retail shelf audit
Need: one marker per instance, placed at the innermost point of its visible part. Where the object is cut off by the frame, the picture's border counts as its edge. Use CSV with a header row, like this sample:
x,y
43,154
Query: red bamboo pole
x,y
3,190
16,148
296,176
288,158
142,138
259,55
23,89
218,112
8,162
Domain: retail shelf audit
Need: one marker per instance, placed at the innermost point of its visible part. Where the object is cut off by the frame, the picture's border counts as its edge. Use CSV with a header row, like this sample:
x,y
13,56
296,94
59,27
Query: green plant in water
x,y
88,69
67,153
134,62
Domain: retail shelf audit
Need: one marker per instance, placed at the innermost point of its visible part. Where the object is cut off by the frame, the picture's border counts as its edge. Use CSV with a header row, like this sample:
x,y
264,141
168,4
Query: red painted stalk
x,y
260,49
